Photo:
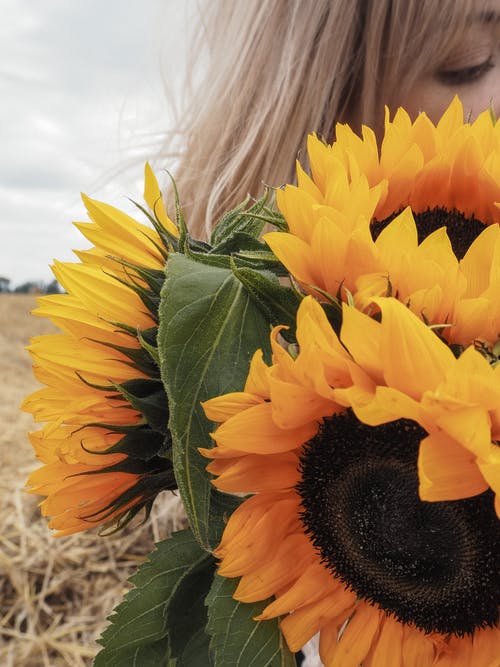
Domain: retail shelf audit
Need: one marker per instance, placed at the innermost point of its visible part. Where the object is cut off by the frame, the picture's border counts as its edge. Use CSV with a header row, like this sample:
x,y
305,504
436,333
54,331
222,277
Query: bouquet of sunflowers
x,y
325,396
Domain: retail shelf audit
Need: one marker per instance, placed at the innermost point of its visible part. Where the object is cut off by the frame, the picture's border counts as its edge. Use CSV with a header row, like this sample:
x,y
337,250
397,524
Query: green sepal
x,y
94,385
209,329
278,303
257,258
237,243
198,246
142,494
274,218
236,639
148,397
146,337
170,242
152,277
153,467
209,259
167,586
247,220
114,428
179,216
152,350
238,220
140,358
142,443
117,525
149,335
152,477
149,295
264,257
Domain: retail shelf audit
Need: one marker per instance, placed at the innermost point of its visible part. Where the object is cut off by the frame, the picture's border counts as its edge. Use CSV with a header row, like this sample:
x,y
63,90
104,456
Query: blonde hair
x,y
279,69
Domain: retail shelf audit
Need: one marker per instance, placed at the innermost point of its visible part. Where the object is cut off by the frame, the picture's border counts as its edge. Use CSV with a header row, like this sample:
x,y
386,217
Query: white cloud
x,y
81,98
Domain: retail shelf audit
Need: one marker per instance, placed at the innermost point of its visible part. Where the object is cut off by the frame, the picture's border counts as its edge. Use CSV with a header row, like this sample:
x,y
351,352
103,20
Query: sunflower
x,y
416,217
372,464
104,446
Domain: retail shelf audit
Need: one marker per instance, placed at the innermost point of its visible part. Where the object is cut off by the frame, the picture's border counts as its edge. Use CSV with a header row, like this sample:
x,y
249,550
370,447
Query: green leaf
x,y
187,617
168,584
278,303
236,639
209,329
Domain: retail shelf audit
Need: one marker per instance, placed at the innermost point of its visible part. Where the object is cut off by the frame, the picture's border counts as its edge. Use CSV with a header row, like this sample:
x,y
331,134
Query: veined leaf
x,y
187,618
238,640
209,329
278,303
170,585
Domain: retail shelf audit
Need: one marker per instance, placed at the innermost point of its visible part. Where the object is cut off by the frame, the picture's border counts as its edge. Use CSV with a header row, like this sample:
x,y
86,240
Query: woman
x,y
279,69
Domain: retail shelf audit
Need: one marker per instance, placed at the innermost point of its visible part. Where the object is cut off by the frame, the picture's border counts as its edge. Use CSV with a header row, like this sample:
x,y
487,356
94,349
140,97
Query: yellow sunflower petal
x,y
451,120
308,588
300,626
299,208
296,255
153,198
255,474
84,410
379,407
273,524
388,650
447,471
294,405
357,638
221,408
257,381
412,356
485,644
397,239
108,218
261,434
418,648
477,263
490,470
362,336
281,568
103,295
470,427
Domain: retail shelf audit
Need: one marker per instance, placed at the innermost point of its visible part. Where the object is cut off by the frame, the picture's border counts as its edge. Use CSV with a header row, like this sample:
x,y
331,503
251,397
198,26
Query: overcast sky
x,y
81,95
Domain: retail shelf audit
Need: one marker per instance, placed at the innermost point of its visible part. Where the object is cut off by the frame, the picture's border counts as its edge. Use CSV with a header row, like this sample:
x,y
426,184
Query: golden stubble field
x,y
55,594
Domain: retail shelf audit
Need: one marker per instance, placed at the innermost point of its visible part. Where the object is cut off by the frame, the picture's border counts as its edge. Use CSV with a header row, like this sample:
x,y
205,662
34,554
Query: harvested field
x,y
55,594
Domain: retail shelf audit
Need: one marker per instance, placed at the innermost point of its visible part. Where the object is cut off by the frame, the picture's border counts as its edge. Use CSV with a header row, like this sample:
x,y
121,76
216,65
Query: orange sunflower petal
x,y
447,471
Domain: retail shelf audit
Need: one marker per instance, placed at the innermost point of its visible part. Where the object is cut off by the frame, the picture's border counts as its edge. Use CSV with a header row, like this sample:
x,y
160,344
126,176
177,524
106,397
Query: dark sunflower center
x,y
433,565
461,229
